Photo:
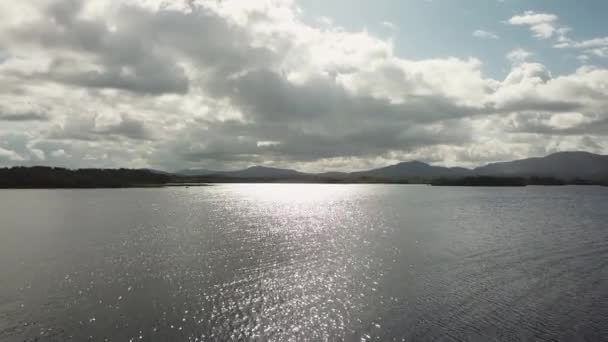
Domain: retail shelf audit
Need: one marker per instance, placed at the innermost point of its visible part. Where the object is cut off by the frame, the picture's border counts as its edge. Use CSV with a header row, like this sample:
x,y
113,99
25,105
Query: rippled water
x,y
304,262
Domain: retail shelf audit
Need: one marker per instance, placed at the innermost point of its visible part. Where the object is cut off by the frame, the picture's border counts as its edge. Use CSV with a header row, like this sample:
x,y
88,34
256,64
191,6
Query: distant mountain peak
x,y
413,162
269,168
565,165
412,169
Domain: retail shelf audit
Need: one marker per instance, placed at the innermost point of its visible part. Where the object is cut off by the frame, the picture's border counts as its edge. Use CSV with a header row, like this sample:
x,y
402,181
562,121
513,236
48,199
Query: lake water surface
x,y
304,262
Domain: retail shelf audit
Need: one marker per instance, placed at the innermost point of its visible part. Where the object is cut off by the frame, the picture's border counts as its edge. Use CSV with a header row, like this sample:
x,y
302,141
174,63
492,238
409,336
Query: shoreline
x,y
177,185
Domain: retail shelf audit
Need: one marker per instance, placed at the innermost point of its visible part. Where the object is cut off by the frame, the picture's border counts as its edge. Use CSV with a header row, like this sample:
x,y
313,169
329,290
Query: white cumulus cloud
x,y
543,25
485,34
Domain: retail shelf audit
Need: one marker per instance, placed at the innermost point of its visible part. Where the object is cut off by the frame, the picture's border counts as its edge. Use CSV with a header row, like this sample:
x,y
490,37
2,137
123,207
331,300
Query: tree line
x,y
53,177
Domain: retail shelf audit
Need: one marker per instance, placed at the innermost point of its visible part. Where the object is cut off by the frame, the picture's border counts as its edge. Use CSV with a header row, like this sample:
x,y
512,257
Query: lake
x,y
304,262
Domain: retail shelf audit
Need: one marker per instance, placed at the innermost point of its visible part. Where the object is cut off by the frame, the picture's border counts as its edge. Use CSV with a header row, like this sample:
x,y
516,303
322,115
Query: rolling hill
x,y
561,165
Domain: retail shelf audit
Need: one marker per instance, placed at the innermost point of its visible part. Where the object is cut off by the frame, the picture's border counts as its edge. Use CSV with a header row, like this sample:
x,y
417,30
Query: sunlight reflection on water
x,y
304,262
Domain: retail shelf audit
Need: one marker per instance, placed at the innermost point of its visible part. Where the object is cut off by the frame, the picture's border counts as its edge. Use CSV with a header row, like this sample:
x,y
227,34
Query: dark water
x,y
304,262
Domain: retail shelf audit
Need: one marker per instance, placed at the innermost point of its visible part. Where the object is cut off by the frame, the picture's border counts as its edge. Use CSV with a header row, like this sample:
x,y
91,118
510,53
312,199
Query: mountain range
x,y
561,165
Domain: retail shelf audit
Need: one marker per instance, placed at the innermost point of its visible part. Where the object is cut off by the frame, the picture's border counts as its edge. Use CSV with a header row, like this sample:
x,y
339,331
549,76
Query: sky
x,y
314,85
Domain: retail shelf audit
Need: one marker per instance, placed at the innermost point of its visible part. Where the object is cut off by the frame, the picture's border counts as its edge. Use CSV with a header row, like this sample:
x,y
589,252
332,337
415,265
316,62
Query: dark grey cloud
x,y
539,104
127,127
205,38
267,96
14,109
531,124
140,52
320,119
145,78
127,59
27,116
229,141
85,128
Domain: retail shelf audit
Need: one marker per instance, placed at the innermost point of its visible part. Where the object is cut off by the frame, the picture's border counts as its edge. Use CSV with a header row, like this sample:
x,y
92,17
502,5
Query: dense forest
x,y
51,177
480,181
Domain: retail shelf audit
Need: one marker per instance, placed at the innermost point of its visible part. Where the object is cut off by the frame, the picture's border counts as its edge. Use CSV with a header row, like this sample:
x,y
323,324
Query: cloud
x,y
59,153
531,87
122,59
583,58
18,148
568,124
89,128
389,25
519,55
565,42
31,116
543,25
210,84
9,156
485,34
17,112
596,47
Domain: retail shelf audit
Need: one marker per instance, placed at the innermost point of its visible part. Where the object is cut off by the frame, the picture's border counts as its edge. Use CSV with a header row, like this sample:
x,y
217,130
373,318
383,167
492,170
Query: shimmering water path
x,y
304,262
